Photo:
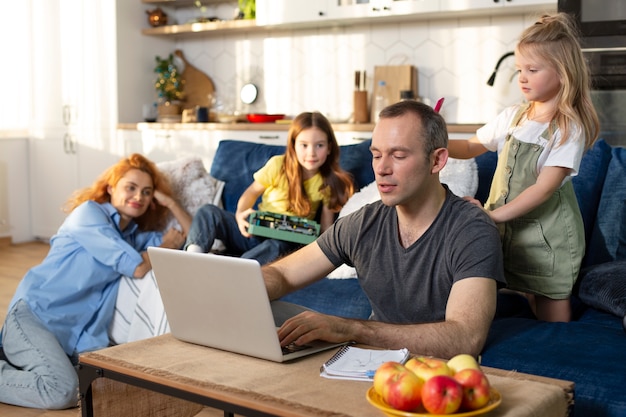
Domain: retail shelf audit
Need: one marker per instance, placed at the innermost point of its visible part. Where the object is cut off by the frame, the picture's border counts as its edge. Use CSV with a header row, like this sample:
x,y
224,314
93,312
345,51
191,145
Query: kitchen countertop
x,y
338,127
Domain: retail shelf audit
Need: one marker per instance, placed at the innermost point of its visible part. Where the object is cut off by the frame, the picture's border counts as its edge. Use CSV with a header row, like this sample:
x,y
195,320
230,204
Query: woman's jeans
x,y
36,373
211,222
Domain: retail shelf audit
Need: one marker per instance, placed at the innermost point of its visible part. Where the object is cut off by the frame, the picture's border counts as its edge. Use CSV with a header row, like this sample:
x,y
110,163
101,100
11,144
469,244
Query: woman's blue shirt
x,y
73,291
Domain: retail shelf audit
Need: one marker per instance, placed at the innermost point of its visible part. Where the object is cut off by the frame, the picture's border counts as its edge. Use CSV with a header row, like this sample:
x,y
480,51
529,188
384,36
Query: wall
x,y
15,209
313,69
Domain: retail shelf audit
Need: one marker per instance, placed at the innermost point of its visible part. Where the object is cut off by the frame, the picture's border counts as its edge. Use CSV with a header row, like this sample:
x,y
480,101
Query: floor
x,y
15,260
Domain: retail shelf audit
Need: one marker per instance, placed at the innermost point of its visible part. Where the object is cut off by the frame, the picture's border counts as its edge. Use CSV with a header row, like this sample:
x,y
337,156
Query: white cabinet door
x,y
74,73
380,8
53,178
161,145
268,137
273,12
460,5
59,165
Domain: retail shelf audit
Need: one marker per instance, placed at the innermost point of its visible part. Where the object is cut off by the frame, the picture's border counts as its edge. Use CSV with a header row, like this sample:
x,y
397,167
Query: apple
x,y
442,394
399,387
462,361
426,367
383,373
475,388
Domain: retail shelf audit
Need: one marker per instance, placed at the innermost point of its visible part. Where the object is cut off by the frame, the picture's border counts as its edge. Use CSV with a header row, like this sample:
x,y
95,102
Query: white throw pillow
x,y
192,185
460,175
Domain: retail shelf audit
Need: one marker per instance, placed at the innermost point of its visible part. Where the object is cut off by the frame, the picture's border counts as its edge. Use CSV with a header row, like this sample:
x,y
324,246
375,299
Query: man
x,y
429,262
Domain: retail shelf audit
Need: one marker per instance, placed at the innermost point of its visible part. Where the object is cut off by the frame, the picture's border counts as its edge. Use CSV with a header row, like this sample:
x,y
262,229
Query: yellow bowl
x,y
377,401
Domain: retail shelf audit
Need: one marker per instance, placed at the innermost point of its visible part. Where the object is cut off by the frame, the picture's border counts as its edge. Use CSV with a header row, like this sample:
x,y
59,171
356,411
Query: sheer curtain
x,y
15,71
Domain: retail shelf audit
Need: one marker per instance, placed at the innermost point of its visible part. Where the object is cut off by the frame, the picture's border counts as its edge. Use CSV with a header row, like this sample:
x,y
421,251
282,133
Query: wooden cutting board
x,y
397,78
197,85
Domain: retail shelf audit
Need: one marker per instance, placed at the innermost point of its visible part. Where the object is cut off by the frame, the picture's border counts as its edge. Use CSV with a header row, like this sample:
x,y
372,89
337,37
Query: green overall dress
x,y
543,249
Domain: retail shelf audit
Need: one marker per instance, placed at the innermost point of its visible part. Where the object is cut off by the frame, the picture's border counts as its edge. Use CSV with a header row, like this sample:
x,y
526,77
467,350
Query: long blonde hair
x,y
337,182
154,218
555,40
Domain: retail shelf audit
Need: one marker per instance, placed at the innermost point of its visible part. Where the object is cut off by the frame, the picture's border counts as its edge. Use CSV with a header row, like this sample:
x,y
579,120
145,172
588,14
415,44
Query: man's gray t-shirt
x,y
412,285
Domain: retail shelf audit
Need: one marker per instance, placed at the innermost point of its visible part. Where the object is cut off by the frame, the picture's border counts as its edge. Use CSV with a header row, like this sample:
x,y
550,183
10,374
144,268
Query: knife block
x,y
361,113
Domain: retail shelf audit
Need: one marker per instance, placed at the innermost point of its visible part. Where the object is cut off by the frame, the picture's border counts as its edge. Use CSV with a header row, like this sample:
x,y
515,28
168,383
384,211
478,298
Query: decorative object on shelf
x,y
157,17
247,9
248,93
198,88
169,87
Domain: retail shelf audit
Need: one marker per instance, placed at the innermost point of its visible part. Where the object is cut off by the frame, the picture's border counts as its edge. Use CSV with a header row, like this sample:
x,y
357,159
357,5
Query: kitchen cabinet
x,y
14,202
269,137
476,5
274,12
300,14
161,145
74,71
380,8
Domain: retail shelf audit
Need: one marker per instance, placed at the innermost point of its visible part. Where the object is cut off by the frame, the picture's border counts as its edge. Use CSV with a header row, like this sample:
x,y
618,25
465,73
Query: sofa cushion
x,y
486,167
192,185
337,297
585,353
236,161
605,236
621,248
589,182
603,287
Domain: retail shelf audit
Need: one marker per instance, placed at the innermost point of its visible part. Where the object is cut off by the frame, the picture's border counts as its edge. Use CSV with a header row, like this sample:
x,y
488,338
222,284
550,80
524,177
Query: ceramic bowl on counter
x,y
264,118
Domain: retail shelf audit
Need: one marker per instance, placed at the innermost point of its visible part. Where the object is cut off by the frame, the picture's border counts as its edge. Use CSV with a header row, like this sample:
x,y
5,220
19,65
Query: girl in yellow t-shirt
x,y
298,183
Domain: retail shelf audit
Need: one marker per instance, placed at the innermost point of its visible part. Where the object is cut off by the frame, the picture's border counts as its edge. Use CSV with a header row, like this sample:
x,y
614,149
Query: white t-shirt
x,y
568,155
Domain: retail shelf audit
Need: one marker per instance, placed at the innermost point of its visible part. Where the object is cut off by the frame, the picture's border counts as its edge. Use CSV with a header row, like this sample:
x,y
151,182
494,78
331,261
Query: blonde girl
x,y
540,145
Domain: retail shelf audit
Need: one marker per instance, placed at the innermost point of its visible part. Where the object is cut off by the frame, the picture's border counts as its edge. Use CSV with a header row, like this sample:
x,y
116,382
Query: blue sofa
x,y
590,350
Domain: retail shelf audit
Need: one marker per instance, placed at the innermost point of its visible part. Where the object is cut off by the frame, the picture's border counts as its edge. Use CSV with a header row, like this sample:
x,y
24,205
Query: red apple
x,y
427,368
403,390
383,373
475,388
442,394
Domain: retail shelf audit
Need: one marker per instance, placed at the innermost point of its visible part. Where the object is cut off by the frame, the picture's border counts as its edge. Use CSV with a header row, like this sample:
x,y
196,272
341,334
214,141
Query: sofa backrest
x,y
236,161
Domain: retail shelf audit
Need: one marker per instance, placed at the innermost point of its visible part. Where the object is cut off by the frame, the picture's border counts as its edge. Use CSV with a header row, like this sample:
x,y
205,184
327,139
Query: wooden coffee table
x,y
179,378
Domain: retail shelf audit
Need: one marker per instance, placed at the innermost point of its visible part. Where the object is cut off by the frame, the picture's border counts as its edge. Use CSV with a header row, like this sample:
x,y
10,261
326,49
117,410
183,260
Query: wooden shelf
x,y
231,26
182,3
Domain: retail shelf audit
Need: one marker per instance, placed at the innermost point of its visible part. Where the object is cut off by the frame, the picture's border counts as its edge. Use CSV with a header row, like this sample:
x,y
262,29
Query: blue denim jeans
x,y
36,373
211,222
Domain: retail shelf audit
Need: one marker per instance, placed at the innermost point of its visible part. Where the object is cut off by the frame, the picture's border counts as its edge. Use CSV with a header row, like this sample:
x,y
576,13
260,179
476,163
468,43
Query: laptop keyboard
x,y
292,347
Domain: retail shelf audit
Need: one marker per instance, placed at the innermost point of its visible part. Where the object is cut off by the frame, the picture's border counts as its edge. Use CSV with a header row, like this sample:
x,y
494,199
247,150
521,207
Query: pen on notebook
x,y
370,374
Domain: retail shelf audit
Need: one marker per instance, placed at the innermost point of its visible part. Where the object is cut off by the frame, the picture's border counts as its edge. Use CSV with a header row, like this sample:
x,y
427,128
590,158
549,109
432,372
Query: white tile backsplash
x,y
313,69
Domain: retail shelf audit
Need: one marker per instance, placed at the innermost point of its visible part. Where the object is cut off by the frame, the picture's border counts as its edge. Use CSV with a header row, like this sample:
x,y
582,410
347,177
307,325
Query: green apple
x,y
462,361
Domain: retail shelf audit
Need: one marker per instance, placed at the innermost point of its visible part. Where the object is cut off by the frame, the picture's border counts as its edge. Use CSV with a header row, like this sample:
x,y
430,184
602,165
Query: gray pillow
x,y
603,287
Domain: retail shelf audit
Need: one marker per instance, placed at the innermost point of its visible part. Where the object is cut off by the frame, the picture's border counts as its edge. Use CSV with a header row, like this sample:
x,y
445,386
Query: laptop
x,y
221,302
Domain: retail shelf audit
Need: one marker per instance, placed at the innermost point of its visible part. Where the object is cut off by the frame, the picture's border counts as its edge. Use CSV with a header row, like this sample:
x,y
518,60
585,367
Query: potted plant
x,y
169,86
247,9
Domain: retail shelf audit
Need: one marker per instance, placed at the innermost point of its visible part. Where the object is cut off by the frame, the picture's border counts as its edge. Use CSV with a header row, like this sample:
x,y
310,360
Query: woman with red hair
x,y
64,306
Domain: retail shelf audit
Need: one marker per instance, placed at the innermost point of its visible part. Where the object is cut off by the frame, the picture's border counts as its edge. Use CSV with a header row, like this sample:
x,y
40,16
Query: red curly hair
x,y
154,218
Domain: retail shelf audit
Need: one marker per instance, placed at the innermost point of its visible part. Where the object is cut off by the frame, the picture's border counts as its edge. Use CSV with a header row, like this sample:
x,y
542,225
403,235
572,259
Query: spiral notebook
x,y
360,364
